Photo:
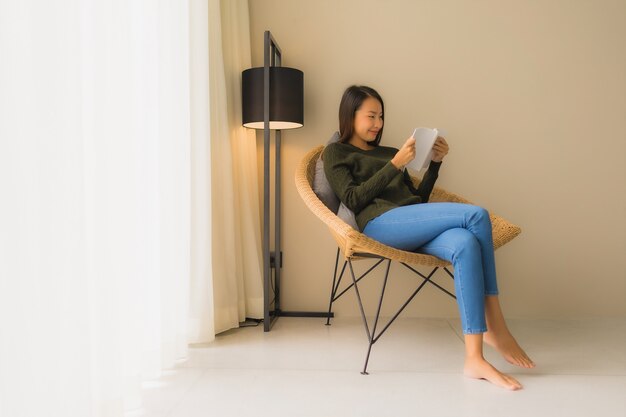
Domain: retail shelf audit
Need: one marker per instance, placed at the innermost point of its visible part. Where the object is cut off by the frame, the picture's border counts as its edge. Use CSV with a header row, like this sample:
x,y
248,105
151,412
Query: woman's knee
x,y
478,214
478,211
462,241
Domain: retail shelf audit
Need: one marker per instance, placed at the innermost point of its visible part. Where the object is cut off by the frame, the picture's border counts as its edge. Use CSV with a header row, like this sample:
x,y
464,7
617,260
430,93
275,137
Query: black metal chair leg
x,y
333,290
367,358
373,337
358,297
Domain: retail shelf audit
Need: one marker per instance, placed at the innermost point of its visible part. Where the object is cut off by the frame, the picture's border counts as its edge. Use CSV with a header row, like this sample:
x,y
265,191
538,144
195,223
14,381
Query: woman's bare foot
x,y
499,337
479,368
507,346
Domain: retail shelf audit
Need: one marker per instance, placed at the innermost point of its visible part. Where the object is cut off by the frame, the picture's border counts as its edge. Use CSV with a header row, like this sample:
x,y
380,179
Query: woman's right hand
x,y
405,154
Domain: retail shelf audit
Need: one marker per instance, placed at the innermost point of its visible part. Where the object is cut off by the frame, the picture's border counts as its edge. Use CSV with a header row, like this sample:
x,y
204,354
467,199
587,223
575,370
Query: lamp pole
x,y
270,51
282,90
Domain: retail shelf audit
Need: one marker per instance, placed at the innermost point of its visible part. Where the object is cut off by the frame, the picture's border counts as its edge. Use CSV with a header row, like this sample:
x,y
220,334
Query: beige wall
x,y
533,96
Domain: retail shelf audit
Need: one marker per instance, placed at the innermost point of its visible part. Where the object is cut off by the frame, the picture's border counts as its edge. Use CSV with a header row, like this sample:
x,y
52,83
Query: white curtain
x,y
110,238
235,241
95,171
245,205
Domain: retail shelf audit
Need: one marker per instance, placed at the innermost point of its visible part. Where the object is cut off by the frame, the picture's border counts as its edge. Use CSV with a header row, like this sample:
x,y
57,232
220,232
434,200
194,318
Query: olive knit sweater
x,y
369,184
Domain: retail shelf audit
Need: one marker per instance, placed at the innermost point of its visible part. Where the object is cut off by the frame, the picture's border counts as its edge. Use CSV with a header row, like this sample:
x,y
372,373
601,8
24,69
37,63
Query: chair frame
x,y
355,246
372,336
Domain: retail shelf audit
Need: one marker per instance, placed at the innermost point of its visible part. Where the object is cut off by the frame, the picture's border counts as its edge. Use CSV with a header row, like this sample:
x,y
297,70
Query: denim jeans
x,y
458,233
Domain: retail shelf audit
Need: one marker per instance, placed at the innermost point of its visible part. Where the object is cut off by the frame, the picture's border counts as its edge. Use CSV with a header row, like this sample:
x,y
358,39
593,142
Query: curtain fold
x,y
237,58
95,219
236,240
129,220
201,316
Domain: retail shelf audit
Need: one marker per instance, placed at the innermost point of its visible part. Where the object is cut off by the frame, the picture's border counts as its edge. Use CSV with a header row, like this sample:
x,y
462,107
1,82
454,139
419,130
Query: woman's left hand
x,y
440,149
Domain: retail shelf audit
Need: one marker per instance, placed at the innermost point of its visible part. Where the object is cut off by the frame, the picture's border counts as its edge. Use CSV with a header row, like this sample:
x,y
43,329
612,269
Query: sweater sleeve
x,y
427,183
355,196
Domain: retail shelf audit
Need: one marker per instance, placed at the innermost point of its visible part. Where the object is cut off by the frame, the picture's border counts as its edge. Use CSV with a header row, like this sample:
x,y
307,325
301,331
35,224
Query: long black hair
x,y
351,101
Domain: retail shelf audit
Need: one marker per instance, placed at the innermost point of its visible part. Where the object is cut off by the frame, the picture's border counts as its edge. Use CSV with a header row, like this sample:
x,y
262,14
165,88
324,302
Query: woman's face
x,y
368,120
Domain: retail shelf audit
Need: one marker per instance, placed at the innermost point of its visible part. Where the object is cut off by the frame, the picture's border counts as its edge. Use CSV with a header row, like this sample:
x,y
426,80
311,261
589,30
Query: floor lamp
x,y
273,99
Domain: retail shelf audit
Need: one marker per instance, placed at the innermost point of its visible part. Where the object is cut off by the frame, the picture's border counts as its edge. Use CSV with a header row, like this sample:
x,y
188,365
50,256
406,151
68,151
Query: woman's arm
x,y
354,195
440,150
428,181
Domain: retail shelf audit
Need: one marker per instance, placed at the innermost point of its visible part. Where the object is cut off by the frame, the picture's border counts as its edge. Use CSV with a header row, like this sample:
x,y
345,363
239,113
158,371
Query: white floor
x,y
303,368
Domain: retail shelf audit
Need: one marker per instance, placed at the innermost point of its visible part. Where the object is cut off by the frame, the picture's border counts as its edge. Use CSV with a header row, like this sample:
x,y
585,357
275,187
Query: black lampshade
x,y
286,98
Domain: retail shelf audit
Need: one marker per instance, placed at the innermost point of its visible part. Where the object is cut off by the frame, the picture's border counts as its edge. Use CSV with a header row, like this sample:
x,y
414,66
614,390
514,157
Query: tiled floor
x,y
303,368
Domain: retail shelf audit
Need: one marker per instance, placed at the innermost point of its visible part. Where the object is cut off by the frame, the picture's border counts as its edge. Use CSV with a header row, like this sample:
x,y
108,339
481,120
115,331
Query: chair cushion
x,y
347,215
321,186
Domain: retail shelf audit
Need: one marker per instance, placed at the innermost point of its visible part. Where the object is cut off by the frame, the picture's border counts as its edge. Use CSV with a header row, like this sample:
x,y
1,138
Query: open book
x,y
424,141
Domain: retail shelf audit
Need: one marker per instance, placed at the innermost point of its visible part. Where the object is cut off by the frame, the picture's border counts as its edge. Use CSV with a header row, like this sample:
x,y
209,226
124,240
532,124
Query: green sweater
x,y
369,184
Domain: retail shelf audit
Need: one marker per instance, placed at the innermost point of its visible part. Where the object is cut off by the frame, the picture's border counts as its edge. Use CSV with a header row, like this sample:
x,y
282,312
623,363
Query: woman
x,y
371,181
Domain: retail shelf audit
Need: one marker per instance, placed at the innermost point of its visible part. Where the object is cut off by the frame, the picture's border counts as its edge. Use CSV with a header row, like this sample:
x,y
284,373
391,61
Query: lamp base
x,y
275,314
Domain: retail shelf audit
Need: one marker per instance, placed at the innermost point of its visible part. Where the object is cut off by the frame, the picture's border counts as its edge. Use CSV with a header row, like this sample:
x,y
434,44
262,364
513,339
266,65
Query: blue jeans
x,y
458,233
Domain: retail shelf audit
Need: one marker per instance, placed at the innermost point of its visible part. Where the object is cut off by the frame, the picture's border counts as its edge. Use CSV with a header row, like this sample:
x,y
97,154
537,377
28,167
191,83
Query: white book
x,y
424,140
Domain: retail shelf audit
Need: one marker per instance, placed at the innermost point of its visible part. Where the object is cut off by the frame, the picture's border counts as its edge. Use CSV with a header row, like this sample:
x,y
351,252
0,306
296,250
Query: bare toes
x,y
514,384
518,358
481,369
509,349
522,362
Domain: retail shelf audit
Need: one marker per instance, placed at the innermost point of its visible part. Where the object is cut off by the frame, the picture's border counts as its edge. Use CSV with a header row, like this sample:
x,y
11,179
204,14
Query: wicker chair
x,y
355,245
